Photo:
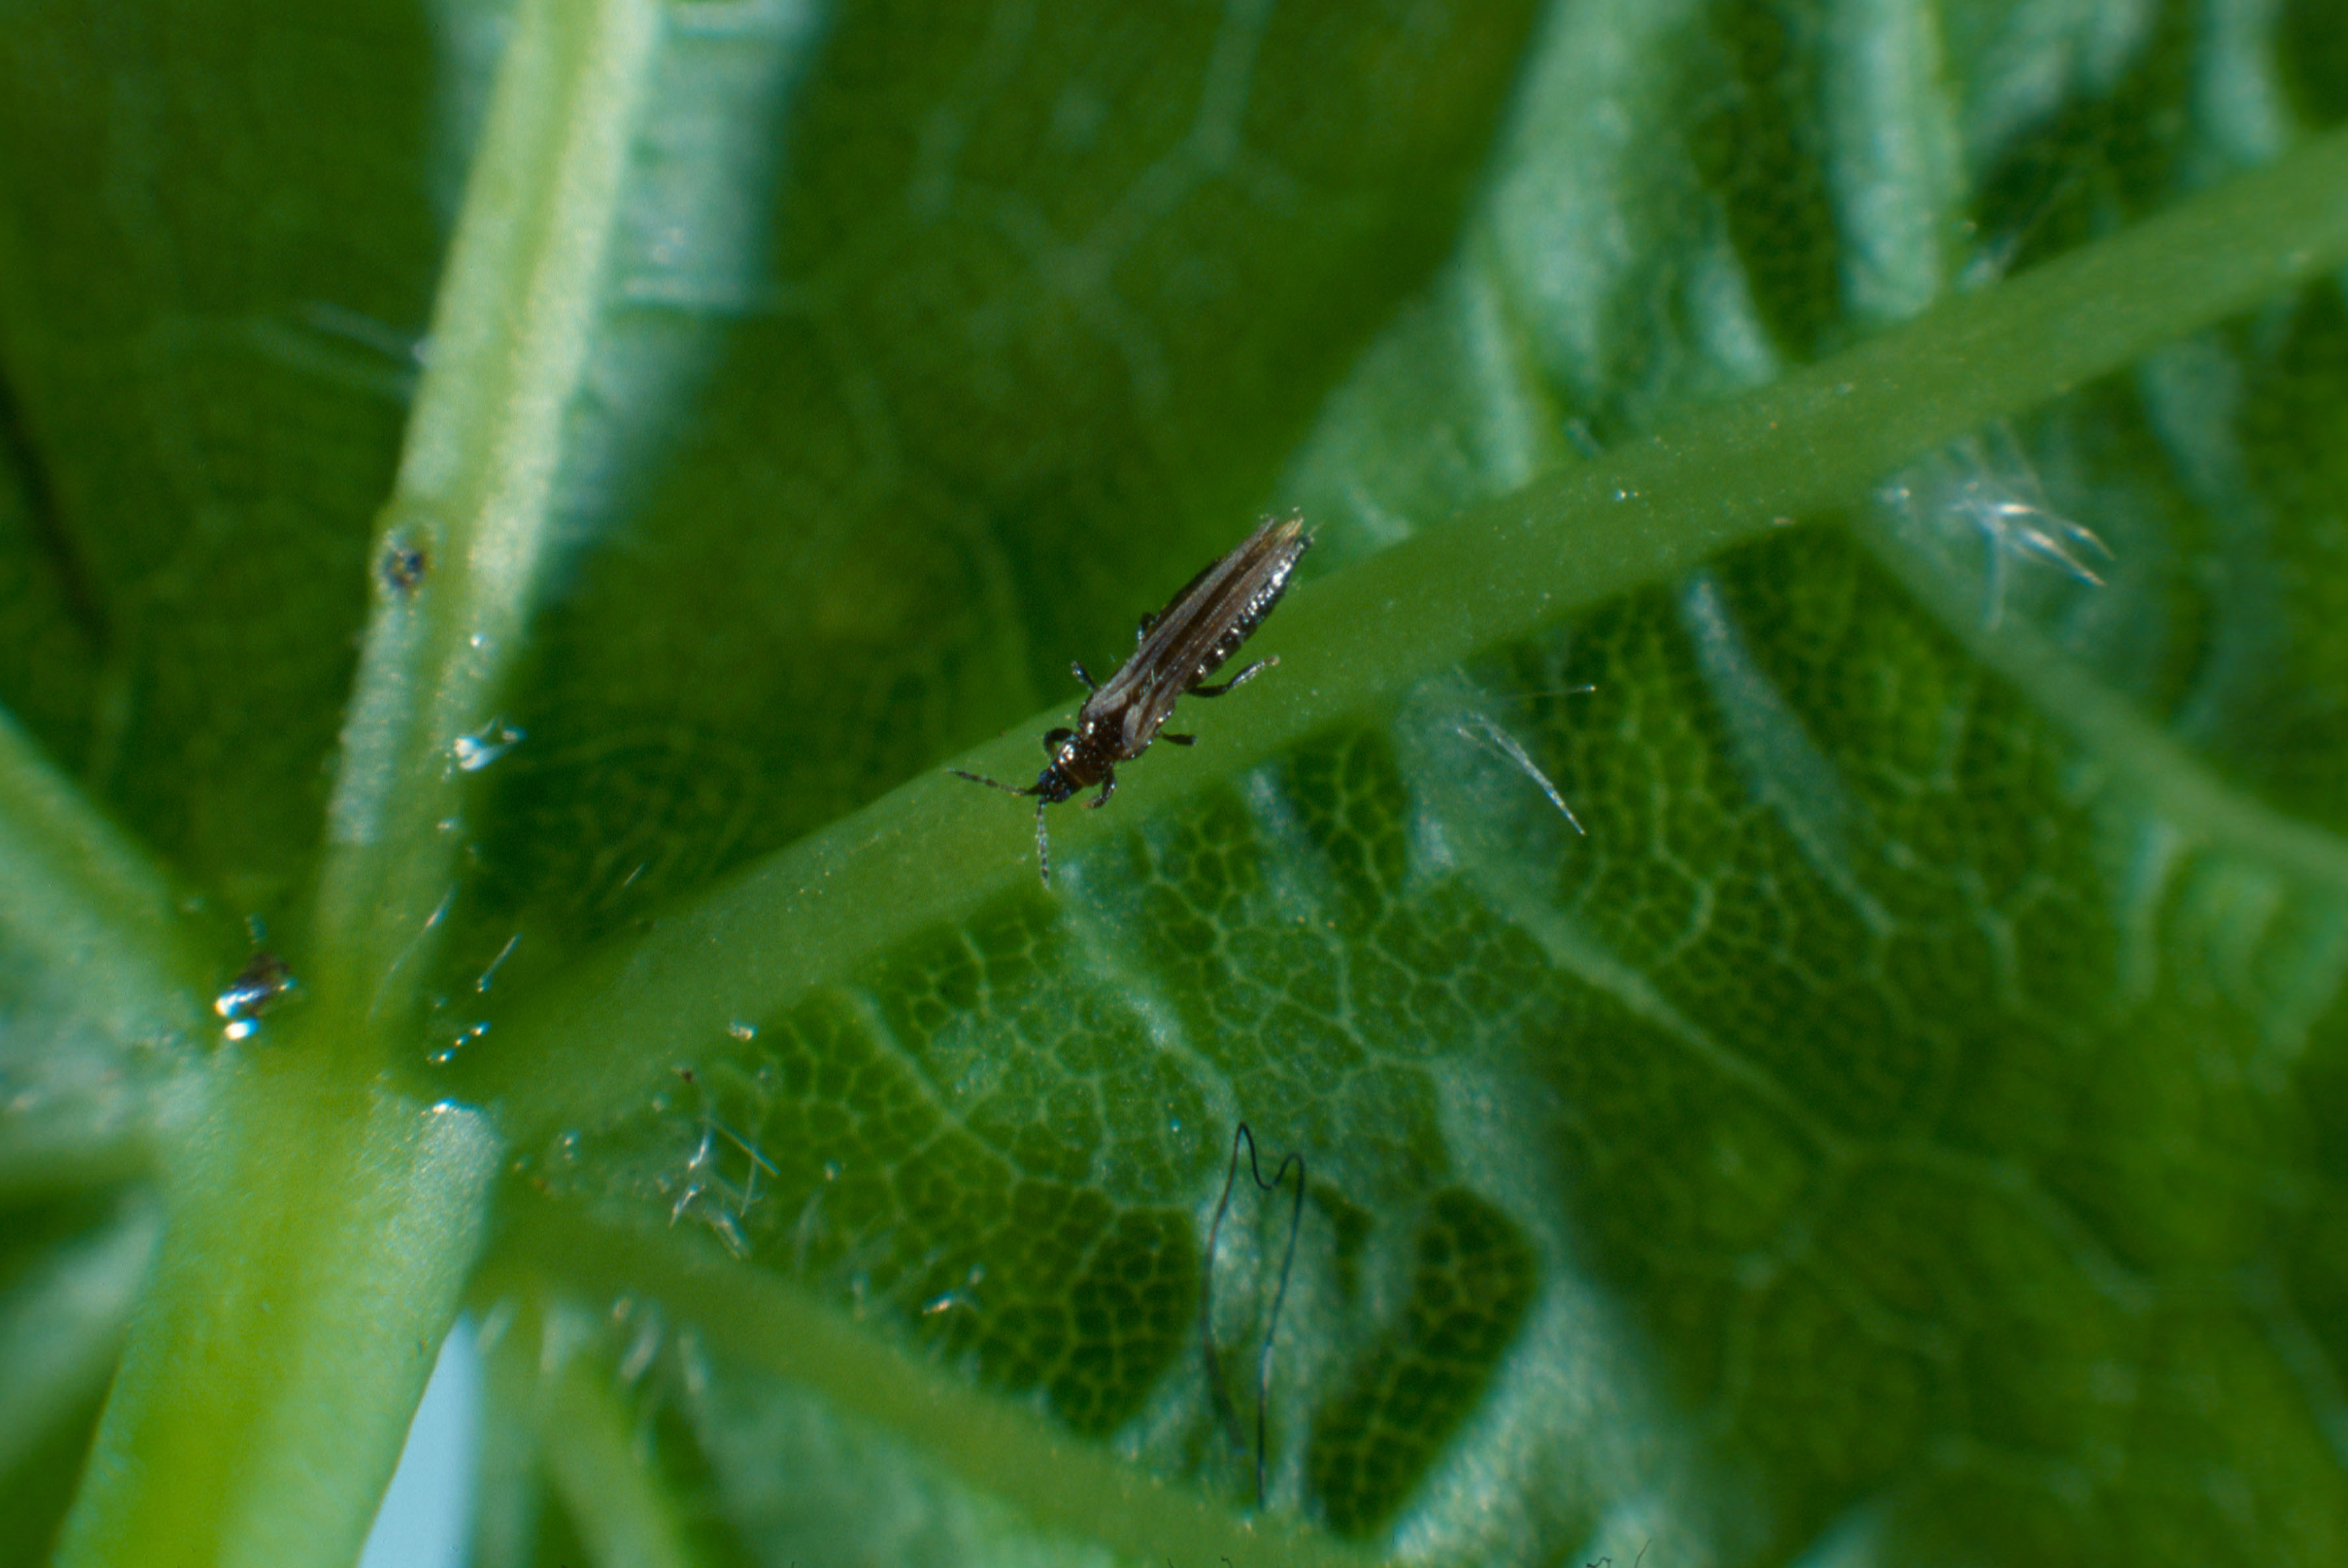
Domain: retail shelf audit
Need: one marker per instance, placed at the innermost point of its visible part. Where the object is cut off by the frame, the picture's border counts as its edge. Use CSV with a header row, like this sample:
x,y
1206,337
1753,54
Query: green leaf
x,y
1788,889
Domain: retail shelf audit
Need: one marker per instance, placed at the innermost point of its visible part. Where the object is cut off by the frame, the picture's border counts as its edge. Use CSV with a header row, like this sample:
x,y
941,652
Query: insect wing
x,y
1223,608
1206,623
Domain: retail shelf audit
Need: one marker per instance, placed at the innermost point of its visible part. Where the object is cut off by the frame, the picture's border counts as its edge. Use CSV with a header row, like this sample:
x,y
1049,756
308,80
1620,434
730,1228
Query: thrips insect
x,y
1174,650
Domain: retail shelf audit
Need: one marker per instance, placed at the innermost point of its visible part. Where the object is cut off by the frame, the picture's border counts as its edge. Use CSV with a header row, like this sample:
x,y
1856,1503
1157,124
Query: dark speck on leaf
x,y
404,566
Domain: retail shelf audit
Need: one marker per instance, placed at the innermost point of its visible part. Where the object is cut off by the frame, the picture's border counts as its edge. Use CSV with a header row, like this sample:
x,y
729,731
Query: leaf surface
x,y
1799,938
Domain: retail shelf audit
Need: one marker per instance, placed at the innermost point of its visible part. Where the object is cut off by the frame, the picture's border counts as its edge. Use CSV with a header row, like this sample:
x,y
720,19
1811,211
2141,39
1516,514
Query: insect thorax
x,y
1081,762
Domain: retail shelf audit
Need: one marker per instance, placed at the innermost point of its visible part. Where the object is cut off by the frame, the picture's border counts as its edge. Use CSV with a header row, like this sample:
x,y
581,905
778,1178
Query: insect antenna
x,y
990,783
1271,1327
1042,841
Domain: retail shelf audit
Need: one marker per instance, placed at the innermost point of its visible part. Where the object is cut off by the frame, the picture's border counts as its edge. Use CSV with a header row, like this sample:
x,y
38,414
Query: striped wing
x,y
1203,626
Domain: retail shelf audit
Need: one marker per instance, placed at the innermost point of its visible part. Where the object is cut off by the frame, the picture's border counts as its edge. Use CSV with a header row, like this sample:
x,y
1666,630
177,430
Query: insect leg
x,y
1052,739
1109,787
1143,630
1077,669
1241,678
1179,739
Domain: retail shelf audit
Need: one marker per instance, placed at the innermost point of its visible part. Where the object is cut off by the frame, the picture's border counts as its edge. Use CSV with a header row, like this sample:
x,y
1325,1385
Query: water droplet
x,y
831,1169
742,1031
484,745
463,1038
258,986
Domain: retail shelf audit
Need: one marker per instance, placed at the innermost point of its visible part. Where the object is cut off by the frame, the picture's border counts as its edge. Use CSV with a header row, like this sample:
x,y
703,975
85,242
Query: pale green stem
x,y
1062,1483
319,1226
61,1323
80,897
930,851
317,1235
465,535
587,1443
85,1141
78,894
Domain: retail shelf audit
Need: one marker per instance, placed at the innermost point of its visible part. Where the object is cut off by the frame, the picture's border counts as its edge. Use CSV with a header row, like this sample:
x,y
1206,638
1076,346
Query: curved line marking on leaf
x,y
1783,767
1101,955
1573,953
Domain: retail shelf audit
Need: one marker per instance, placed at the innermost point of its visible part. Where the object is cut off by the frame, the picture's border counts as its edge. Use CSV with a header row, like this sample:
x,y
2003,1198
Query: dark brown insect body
x,y
1177,649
